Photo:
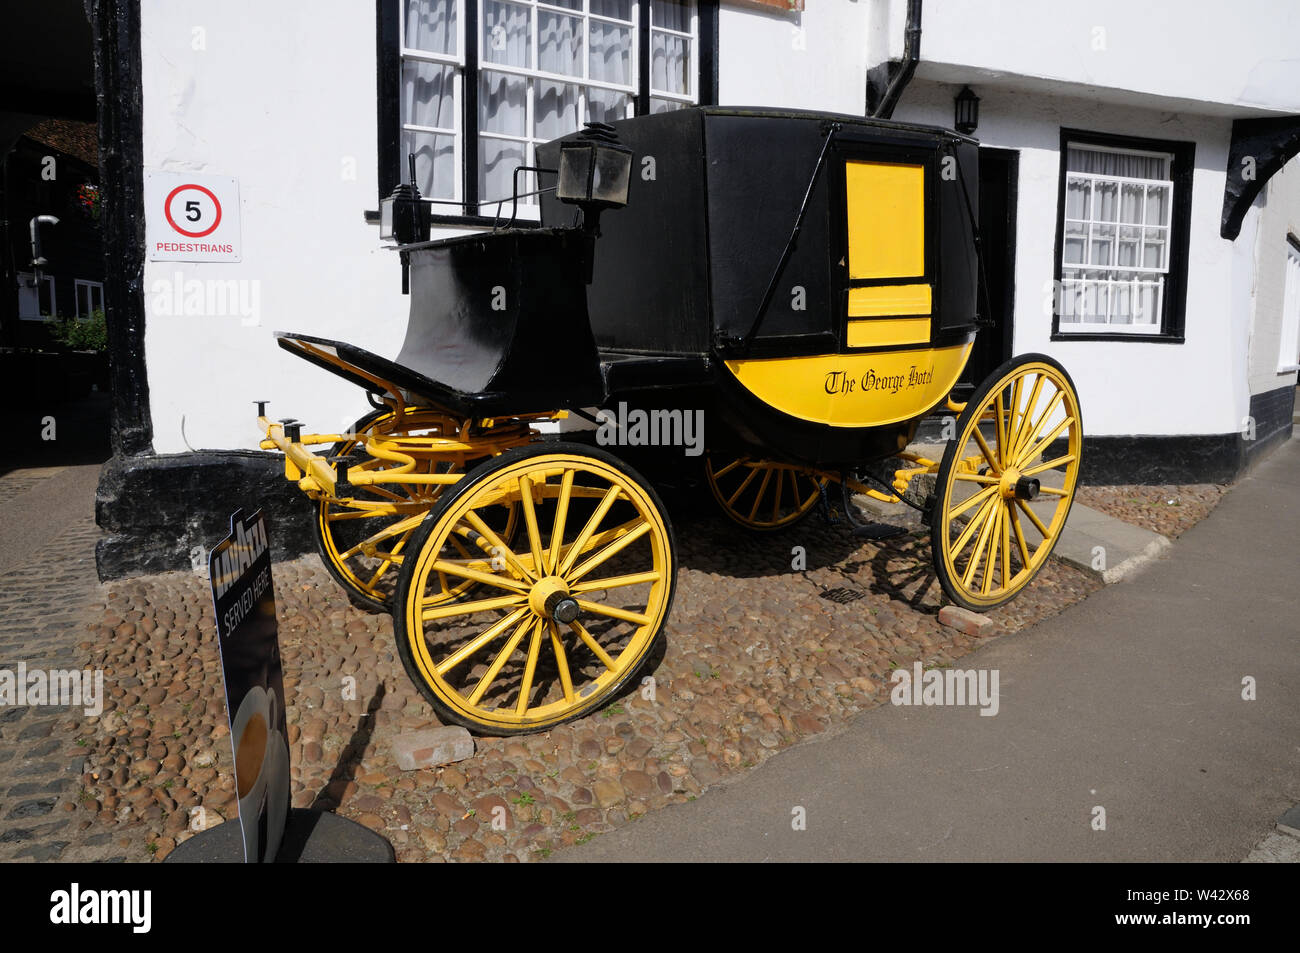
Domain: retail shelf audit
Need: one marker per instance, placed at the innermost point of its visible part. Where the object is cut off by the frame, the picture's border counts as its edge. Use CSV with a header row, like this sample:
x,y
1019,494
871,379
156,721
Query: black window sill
x,y
472,221
1142,338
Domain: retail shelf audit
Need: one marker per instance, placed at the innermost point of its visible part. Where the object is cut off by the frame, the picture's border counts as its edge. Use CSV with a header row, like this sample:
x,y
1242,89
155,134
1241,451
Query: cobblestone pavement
x,y
1167,510
759,656
43,607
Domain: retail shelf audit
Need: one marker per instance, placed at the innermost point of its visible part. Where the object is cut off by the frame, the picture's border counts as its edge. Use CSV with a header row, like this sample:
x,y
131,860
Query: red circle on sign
x,y
167,210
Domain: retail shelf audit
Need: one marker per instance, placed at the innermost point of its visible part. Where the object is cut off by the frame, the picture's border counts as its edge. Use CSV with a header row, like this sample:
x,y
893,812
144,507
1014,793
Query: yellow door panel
x,y
886,212
854,390
884,332
884,300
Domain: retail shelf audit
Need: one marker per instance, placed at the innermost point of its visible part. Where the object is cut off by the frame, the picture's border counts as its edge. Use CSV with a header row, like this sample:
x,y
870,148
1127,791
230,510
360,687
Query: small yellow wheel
x,y
1006,483
563,620
762,495
362,539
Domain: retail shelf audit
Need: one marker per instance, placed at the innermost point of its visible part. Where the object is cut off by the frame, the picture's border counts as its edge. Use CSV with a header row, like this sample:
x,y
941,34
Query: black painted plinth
x,y
310,837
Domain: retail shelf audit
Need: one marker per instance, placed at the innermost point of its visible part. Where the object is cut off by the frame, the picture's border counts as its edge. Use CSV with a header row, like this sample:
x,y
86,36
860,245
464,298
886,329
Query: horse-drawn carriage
x,y
806,282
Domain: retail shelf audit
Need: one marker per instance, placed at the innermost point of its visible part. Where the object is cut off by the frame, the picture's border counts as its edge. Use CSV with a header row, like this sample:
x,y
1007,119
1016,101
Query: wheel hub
x,y
550,599
1013,486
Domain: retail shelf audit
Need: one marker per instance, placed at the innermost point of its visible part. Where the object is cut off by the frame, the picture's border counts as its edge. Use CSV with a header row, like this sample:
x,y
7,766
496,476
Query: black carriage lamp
x,y
595,172
404,215
967,106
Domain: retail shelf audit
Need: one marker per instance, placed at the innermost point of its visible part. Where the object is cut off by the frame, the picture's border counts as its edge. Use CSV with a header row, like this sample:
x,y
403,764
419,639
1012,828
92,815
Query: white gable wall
x,y
285,103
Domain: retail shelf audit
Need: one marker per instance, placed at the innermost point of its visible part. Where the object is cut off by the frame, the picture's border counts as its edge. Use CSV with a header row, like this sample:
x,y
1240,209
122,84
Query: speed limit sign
x,y
191,217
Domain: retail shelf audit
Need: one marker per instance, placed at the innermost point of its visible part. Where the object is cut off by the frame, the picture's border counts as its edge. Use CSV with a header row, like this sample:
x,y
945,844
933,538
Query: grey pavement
x,y
1131,702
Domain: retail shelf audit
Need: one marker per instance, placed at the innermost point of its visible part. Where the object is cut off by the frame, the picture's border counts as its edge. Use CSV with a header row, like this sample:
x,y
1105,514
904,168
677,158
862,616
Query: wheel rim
x,y
1009,484
509,659
763,494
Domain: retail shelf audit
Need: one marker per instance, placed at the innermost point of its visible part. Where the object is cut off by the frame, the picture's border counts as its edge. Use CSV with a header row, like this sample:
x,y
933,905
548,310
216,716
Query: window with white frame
x,y
1116,241
35,298
90,297
1288,358
544,67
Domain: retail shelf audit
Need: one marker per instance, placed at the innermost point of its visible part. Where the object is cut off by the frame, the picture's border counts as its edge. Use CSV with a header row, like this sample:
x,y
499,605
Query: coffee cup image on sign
x,y
261,773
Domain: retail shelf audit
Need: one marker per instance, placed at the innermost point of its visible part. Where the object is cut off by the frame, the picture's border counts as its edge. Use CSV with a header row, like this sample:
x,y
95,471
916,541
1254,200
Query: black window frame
x,y
388,82
1173,317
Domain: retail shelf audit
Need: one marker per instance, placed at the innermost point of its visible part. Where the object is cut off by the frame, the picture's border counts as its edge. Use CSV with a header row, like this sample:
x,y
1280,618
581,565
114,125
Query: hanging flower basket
x,y
88,200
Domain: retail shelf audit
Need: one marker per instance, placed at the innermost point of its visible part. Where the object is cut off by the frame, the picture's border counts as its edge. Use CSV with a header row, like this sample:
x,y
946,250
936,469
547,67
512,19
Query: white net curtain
x,y
545,68
1115,250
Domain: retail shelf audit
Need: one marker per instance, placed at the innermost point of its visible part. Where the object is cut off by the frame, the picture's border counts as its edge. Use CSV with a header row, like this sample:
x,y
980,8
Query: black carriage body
x,y
681,274
503,322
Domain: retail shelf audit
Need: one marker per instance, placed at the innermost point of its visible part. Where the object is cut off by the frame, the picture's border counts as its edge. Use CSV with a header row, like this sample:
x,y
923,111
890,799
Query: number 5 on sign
x,y
191,217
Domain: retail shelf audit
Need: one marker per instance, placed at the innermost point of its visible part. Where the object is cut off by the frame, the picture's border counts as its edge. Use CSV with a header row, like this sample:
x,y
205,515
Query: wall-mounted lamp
x,y
967,111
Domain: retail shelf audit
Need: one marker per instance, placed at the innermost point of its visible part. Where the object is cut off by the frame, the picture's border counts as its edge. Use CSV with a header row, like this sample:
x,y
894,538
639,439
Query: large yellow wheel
x,y
564,619
362,540
1006,482
761,495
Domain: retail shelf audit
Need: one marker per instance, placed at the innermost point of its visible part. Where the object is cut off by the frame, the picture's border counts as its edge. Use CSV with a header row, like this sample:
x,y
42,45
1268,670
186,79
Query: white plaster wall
x,y
816,59
1242,54
1126,387
1277,213
285,103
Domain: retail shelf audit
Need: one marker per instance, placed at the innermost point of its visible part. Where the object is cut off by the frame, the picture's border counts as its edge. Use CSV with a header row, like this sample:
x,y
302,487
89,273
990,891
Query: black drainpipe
x,y
902,73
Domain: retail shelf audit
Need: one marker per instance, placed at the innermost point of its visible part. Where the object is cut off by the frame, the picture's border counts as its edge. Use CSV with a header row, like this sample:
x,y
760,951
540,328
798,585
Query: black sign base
x,y
310,837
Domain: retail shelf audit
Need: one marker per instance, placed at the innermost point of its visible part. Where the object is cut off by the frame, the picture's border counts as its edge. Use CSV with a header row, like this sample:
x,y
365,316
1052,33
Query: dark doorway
x,y
999,173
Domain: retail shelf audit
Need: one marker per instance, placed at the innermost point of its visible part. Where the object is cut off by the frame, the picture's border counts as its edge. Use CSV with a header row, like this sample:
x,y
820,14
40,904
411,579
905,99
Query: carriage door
x,y
890,277
999,171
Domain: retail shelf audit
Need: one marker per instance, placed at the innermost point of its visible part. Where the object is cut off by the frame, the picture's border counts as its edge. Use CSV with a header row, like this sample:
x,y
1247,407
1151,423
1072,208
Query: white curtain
x,y
1124,164
503,98
428,96
670,56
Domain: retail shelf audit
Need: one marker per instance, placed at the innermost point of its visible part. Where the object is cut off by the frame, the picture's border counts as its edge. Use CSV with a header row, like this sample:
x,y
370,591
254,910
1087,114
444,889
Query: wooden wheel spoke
x,y
995,538
561,515
613,612
1005,526
499,662
614,582
762,491
1033,518
975,522
498,547
1020,538
749,478
561,661
776,497
1033,431
434,613
491,579
619,544
591,643
728,468
1056,432
1049,465
530,668
530,521
576,550
985,449
1027,419
984,478
479,641
973,500
977,554
1005,435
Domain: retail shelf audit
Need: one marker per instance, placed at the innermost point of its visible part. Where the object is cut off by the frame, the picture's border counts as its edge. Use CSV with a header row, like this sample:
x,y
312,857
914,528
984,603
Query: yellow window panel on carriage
x,y
886,219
